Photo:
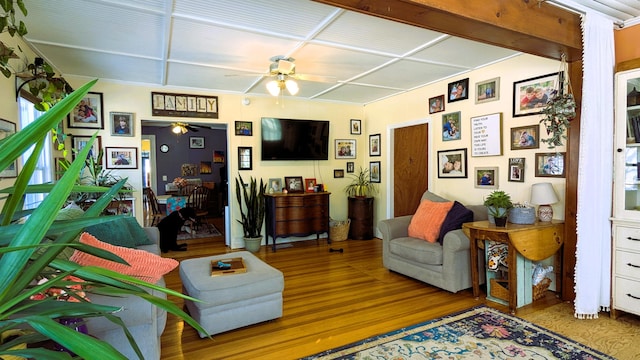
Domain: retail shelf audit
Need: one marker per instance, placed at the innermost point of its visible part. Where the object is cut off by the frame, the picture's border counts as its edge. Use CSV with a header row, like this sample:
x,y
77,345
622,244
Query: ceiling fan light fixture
x,y
179,128
292,86
273,87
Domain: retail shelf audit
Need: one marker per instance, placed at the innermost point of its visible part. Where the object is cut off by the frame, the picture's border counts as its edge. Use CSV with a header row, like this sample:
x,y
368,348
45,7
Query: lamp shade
x,y
543,194
273,87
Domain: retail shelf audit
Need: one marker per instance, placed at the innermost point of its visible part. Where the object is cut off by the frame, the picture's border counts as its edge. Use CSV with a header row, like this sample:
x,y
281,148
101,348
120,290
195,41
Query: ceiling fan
x,y
180,128
283,69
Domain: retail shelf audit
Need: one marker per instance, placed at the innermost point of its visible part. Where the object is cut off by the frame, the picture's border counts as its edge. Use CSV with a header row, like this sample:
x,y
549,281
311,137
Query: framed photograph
x,y
122,123
488,90
196,142
88,114
350,167
374,171
516,169
8,128
275,185
244,128
452,163
451,126
345,149
436,104
121,157
80,141
525,137
310,185
338,173
550,164
374,145
486,177
531,95
294,184
486,135
458,90
356,127
245,158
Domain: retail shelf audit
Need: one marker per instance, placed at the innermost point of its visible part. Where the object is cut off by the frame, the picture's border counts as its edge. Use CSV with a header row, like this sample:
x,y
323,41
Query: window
x,y
43,172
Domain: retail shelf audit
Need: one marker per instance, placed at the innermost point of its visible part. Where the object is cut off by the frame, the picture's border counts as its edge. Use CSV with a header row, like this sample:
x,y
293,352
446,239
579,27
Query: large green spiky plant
x,y
253,215
26,257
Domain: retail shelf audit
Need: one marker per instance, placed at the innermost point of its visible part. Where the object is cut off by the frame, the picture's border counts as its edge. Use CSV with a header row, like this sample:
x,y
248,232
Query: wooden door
x,y
410,167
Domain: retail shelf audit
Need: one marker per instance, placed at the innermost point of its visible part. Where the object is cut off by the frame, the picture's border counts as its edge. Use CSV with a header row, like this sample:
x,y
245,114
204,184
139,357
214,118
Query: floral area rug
x,y
478,333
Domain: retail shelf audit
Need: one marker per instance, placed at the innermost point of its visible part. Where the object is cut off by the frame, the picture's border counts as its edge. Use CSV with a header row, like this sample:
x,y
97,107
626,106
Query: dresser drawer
x,y
627,238
628,264
627,295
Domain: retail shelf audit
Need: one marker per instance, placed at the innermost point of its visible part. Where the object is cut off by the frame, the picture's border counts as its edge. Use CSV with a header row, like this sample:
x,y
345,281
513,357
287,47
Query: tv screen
x,y
293,139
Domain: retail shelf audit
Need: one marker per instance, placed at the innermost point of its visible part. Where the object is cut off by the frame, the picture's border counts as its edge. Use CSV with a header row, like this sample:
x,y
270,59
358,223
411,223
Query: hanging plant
x,y
557,114
559,110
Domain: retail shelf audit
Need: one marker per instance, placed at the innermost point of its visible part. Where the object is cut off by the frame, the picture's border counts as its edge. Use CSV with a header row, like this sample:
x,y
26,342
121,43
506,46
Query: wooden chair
x,y
199,201
151,206
188,189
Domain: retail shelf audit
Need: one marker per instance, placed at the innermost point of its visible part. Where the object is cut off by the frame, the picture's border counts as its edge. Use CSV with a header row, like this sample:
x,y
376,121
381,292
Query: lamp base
x,y
545,213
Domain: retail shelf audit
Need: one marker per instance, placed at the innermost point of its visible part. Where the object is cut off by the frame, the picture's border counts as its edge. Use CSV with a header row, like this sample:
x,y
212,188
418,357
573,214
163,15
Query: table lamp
x,y
543,195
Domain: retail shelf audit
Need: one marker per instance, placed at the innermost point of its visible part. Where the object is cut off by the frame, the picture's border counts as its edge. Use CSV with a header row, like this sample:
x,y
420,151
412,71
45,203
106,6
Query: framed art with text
x,y
184,105
486,135
516,169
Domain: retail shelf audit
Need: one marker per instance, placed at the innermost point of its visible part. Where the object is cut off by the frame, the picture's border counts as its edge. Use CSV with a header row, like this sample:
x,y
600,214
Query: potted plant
x,y
557,114
25,258
361,185
253,211
498,204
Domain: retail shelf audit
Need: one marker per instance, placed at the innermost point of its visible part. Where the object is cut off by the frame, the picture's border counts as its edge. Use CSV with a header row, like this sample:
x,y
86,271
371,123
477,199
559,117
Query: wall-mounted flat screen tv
x,y
294,139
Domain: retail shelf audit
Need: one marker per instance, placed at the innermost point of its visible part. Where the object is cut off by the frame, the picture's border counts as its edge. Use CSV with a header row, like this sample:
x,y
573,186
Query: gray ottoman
x,y
232,301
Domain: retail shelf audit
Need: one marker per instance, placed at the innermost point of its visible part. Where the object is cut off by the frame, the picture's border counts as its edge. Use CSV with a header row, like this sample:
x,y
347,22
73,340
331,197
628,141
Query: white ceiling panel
x,y
380,35
200,43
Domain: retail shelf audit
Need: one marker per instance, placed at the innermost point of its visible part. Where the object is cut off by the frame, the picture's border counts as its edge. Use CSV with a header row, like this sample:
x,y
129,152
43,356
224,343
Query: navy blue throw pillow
x,y
455,218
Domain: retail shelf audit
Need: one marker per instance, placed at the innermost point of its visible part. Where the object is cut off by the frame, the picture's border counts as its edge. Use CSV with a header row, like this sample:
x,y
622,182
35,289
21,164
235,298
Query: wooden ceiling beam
x,y
528,26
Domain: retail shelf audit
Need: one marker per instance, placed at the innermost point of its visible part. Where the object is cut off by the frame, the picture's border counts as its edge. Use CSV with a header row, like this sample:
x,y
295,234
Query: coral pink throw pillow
x,y
143,264
428,219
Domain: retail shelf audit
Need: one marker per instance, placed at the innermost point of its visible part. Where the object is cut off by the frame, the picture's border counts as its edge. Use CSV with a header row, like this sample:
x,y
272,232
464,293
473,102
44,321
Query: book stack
x,y
635,125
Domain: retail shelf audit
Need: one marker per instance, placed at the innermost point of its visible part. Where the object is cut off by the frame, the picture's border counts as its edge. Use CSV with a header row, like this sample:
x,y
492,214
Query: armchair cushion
x,y
458,215
428,219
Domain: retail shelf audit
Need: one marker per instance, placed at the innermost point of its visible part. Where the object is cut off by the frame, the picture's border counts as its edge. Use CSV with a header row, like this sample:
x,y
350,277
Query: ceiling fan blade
x,y
316,78
191,128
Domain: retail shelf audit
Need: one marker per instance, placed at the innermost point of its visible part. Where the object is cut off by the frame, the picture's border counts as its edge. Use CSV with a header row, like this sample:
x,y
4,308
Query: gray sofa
x,y
146,322
447,266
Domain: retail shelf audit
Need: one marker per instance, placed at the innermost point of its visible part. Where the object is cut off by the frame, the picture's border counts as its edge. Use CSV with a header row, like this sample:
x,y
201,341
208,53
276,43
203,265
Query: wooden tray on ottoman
x,y
237,267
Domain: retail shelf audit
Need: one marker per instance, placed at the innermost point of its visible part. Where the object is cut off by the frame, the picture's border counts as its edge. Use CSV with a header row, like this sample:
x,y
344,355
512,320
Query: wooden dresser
x,y
296,215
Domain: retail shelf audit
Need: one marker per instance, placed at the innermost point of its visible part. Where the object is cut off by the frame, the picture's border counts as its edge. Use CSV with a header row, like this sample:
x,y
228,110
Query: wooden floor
x,y
330,299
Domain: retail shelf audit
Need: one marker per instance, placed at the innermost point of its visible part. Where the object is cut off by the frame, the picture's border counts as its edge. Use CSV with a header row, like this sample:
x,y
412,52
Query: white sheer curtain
x,y
595,173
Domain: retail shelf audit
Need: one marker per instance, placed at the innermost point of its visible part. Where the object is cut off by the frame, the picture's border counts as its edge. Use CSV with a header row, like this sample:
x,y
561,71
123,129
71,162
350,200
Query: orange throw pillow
x,y
143,264
428,219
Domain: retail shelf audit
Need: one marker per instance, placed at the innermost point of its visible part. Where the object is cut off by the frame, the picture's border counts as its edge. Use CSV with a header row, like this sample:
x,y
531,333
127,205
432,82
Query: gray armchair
x,y
447,266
